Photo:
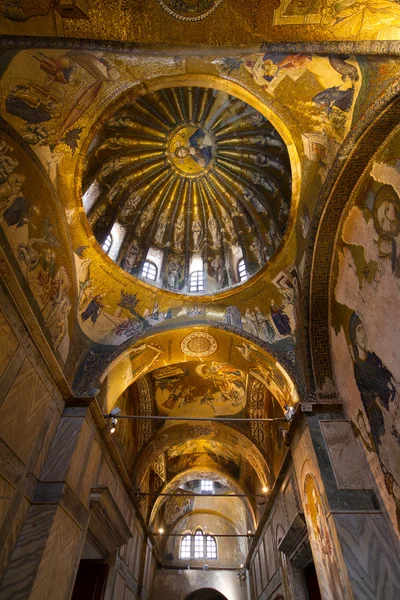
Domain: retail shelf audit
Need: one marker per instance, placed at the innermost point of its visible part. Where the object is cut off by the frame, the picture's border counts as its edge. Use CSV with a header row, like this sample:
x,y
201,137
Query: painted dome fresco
x,y
188,189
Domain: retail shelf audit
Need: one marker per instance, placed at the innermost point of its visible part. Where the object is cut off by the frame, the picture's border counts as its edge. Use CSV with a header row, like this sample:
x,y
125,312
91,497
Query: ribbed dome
x,y
188,188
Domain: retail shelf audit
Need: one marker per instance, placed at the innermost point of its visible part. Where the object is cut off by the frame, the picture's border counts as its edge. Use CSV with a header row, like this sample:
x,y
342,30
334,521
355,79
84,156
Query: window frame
x,y
242,270
152,266
199,281
206,486
205,549
109,239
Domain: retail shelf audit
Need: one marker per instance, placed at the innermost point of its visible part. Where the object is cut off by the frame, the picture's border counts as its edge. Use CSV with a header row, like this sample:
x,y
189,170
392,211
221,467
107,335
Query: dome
x,y
188,189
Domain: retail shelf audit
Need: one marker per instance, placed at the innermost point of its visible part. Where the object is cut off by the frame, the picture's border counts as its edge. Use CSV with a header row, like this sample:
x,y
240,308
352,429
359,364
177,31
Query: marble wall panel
x,y
62,551
23,411
371,558
9,343
345,454
10,535
6,493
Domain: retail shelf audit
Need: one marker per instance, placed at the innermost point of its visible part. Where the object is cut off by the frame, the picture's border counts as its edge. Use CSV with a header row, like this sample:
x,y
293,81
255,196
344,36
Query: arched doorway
x,y
206,594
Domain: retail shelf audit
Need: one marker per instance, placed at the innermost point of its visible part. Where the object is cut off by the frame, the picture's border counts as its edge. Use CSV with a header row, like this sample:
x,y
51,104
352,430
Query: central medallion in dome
x,y
188,189
191,150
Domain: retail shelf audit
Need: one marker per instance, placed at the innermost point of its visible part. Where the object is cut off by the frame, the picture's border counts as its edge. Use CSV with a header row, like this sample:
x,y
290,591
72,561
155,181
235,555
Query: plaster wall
x,y
169,584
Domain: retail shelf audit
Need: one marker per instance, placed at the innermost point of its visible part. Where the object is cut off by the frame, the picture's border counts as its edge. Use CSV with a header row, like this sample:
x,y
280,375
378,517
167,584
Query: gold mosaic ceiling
x,y
191,180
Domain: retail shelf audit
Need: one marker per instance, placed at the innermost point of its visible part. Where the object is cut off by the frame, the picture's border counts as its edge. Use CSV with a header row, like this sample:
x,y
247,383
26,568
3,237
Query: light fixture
x,y
249,532
265,489
241,565
161,530
114,421
115,411
289,412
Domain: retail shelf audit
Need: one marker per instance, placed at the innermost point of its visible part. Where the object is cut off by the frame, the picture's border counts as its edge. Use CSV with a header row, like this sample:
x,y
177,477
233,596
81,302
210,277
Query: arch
x,y
206,594
183,431
190,474
101,362
377,124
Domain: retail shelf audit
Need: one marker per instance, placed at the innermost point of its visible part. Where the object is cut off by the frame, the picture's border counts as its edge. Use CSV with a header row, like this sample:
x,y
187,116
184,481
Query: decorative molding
x,y
184,13
375,47
108,528
199,343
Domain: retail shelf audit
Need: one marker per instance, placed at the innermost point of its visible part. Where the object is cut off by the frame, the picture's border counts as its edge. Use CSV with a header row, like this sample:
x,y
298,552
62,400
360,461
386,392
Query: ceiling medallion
x,y
191,150
199,344
190,10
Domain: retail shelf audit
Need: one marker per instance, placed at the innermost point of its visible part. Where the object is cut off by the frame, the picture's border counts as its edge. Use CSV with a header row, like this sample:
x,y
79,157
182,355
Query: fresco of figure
x,y
214,232
217,269
179,230
132,256
251,321
197,231
93,310
161,227
130,206
264,325
147,215
228,225
197,149
31,104
375,382
280,319
386,216
267,184
175,273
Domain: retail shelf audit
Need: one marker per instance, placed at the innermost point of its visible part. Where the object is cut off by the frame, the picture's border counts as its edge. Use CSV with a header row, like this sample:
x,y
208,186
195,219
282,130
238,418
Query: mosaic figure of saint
x,y
375,382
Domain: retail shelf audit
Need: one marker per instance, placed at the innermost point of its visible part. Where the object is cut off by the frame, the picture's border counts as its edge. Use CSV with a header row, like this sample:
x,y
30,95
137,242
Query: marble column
x,y
46,556
355,550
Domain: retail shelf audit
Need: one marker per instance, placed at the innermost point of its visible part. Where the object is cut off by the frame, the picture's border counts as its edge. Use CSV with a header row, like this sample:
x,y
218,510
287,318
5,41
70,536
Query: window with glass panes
x,y
149,270
242,272
198,545
186,546
107,243
196,282
206,486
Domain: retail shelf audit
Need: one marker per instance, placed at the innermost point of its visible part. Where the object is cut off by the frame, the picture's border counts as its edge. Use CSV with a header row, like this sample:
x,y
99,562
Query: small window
x,y
206,486
242,270
211,547
198,545
186,546
149,270
196,282
107,243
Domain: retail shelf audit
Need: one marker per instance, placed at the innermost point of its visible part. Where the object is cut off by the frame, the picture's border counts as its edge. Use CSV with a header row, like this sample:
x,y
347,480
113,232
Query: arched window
x,y
149,270
196,283
206,486
242,272
198,545
107,243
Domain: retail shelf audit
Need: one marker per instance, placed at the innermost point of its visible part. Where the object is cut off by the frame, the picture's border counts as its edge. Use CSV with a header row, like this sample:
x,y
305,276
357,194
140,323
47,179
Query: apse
x,y
188,189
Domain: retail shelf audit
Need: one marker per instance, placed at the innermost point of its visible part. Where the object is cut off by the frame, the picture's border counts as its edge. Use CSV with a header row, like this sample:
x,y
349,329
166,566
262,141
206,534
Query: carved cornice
x,y
373,47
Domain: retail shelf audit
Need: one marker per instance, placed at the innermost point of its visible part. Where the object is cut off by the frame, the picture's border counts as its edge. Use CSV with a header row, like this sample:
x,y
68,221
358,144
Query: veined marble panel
x,y
371,558
9,343
347,461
